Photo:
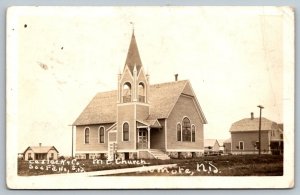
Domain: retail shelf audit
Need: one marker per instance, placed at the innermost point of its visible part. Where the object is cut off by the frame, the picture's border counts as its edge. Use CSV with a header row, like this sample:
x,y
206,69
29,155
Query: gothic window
x,y
178,132
101,135
87,135
186,129
126,93
141,92
125,132
193,133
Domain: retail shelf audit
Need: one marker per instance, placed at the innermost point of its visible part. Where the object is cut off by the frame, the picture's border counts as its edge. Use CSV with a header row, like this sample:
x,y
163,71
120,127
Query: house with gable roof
x,y
139,120
211,146
40,153
245,136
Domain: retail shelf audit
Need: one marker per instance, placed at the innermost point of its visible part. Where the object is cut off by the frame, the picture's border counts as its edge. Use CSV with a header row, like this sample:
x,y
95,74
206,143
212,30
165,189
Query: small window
x,y
241,145
178,132
257,145
125,132
29,156
193,133
52,156
87,135
101,135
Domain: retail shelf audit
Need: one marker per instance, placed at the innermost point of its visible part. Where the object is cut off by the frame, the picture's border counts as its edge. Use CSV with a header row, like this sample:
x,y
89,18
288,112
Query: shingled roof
x,y
41,149
103,107
248,124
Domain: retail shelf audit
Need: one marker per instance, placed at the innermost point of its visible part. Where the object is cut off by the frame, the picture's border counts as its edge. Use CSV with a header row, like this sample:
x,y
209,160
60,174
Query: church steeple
x,y
133,57
133,83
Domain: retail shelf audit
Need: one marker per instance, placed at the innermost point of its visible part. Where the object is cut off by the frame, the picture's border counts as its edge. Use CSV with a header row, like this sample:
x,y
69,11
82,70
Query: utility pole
x,y
259,129
72,142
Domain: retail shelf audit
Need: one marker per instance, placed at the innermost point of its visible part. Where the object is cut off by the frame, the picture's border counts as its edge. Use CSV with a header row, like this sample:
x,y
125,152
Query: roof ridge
x,y
171,82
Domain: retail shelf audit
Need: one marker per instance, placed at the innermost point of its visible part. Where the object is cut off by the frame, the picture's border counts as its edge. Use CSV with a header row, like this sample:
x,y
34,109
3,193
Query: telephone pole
x,y
259,129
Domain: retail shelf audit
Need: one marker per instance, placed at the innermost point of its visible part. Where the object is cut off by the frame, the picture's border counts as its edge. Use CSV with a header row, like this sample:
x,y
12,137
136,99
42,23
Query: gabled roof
x,y
210,142
133,56
41,149
248,124
150,123
163,97
103,107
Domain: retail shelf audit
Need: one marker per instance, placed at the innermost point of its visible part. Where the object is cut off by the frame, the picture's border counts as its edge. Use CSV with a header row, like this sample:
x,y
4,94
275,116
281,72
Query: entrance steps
x,y
158,154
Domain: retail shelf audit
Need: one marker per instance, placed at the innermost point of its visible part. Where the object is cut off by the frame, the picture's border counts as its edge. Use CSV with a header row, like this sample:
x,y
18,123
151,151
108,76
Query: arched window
x,y
101,135
87,135
141,92
186,129
193,133
125,132
126,93
178,132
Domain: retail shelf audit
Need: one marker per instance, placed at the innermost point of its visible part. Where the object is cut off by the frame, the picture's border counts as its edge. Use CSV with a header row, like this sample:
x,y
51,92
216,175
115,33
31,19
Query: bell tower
x,y
133,83
133,98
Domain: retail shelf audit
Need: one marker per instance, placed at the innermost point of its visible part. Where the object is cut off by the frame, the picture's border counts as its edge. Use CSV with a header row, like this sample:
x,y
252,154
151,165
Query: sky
x,y
233,57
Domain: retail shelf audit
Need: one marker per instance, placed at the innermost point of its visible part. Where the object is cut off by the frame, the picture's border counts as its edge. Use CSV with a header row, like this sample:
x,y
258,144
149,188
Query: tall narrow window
x,y
126,92
87,135
29,156
186,130
141,92
178,132
101,135
125,132
193,133
257,145
241,145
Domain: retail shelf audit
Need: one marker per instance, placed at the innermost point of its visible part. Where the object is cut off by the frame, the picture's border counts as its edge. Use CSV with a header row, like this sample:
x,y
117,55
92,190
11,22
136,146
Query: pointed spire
x,y
133,57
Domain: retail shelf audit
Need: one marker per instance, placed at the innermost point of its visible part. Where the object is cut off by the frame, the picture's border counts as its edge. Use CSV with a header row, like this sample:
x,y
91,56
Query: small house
x,y
211,146
41,153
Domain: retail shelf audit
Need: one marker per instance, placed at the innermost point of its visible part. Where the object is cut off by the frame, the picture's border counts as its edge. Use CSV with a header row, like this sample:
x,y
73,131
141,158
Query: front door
x,y
143,139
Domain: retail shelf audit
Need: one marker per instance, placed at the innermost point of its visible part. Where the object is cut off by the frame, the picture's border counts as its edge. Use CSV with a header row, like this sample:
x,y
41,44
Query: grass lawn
x,y
234,165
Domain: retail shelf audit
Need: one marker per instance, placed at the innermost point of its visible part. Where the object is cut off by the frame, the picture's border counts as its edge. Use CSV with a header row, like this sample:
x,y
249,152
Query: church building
x,y
139,120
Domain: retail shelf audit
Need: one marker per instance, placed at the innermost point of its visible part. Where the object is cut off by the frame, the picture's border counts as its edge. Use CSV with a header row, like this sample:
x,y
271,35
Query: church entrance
x,y
143,139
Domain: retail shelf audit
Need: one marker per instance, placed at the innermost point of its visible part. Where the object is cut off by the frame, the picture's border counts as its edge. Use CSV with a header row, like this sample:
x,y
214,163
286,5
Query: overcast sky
x,y
232,56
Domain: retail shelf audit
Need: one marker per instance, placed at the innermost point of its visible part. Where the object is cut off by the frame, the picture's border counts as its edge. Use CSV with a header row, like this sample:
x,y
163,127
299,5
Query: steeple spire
x,y
133,57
